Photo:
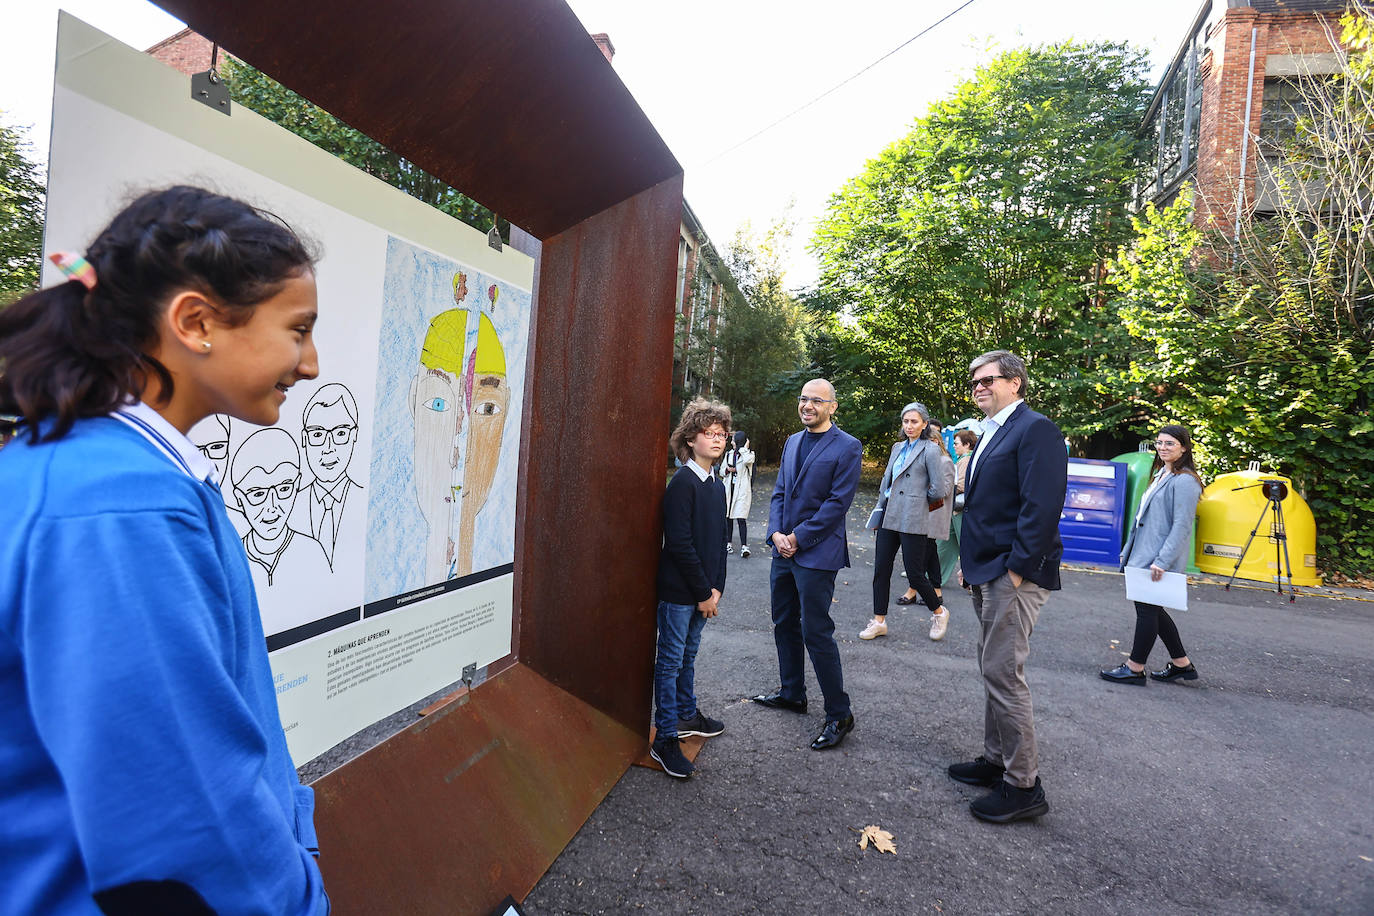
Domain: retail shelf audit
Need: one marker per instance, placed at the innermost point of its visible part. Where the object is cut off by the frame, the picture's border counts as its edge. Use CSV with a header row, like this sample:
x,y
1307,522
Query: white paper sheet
x,y
1171,591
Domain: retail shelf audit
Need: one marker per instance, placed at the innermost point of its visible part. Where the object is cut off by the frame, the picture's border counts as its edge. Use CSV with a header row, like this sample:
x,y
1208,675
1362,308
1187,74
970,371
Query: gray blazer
x,y
928,475
1160,538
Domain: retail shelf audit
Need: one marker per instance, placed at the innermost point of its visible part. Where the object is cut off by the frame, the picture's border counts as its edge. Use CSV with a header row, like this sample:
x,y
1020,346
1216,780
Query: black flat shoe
x,y
1173,672
833,733
914,599
1122,674
776,700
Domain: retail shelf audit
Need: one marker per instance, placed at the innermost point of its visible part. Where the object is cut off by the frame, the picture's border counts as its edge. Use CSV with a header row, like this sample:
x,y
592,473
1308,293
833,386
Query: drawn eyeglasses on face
x,y
315,435
215,451
256,496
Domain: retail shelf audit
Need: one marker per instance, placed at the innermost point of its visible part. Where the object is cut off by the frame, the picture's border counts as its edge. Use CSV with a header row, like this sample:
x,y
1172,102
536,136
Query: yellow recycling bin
x,y
1236,504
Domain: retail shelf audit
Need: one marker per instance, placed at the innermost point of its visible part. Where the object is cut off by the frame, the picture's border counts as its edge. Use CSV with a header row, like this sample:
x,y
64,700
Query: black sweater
x,y
693,558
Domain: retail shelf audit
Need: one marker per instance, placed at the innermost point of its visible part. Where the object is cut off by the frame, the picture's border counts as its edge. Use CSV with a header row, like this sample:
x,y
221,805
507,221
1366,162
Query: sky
x,y
711,73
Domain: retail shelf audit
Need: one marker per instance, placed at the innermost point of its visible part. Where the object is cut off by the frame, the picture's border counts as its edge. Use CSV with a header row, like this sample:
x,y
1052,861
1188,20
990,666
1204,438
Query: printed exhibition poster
x,y
378,514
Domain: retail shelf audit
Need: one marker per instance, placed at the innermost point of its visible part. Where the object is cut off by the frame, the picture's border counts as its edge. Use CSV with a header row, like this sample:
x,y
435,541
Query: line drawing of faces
x,y
487,400
436,404
212,437
266,477
329,434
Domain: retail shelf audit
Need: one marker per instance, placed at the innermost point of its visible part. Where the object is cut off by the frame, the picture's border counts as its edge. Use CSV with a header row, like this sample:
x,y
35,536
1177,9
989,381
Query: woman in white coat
x,y
737,473
914,501
1159,542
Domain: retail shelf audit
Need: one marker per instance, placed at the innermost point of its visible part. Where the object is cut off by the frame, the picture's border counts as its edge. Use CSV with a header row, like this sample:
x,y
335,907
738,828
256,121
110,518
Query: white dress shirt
x,y
991,426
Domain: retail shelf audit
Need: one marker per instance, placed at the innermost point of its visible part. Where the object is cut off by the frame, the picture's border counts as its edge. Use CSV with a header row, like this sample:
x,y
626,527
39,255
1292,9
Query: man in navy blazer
x,y
816,481
1010,552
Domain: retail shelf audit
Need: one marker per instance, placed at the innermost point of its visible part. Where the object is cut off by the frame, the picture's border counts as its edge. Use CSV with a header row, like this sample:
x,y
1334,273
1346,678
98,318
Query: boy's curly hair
x,y
697,417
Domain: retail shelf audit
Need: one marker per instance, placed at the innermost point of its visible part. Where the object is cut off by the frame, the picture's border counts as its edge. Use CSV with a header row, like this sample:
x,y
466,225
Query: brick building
x,y
1229,100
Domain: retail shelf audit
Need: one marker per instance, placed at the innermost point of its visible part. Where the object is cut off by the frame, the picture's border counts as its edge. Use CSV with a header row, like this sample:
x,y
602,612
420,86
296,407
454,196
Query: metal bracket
x,y
208,89
474,676
494,236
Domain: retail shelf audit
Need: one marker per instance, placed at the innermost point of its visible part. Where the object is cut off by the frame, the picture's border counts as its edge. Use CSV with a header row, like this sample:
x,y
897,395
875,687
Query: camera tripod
x,y
1275,491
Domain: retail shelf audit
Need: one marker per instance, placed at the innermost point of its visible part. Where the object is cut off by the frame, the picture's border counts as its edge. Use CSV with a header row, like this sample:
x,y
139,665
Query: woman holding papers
x,y
913,505
1158,541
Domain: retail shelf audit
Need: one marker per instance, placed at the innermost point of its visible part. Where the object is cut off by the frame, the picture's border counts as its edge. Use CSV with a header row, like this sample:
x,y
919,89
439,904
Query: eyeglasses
x,y
315,435
814,402
214,450
1162,443
256,496
985,382
715,436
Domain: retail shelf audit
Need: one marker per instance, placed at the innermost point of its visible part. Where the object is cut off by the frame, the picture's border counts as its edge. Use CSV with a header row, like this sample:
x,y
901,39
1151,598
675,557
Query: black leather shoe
x,y
1173,672
1122,674
833,733
978,772
1007,803
776,700
914,599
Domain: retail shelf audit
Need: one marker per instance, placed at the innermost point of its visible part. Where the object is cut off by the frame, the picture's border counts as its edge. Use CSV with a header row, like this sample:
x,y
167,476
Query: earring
x,y
205,345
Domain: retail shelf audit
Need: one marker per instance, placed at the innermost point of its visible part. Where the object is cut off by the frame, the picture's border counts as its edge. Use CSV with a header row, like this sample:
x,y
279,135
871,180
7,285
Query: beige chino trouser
x,y
1008,616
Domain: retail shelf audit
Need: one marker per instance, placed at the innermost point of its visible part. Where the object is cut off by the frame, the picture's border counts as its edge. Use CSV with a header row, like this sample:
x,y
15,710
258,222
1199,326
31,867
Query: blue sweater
x,y
692,561
142,758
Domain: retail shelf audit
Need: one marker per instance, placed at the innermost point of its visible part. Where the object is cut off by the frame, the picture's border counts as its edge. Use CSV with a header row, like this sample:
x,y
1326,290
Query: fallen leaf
x,y
1367,858
881,839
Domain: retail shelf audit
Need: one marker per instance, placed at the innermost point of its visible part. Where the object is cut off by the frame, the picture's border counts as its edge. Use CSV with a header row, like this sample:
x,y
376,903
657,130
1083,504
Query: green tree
x,y
1264,343
253,89
988,226
759,340
21,216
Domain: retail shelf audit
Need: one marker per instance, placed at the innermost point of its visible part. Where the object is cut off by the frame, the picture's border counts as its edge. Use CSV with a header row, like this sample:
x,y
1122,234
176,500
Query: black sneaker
x,y
1007,803
978,772
669,756
700,724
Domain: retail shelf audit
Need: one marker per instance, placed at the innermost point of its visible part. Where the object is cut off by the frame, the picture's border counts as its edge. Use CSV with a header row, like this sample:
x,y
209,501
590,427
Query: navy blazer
x,y
813,502
1012,502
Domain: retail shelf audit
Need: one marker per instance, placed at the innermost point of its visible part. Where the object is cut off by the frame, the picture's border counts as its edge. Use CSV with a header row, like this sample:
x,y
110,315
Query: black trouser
x,y
743,531
913,557
1153,621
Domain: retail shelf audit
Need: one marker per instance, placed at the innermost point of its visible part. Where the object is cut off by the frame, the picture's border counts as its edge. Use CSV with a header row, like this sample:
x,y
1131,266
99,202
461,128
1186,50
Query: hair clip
x,y
75,267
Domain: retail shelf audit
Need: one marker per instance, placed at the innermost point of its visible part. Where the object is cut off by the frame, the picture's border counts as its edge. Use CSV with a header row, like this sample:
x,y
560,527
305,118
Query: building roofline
x,y
1198,20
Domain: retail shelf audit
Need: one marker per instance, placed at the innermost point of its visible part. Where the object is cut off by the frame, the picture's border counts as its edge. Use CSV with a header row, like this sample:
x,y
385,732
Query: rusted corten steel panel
x,y
470,804
509,101
587,514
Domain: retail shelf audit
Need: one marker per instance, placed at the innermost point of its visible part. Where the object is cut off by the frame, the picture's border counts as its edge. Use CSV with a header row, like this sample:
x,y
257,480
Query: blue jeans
x,y
679,637
801,619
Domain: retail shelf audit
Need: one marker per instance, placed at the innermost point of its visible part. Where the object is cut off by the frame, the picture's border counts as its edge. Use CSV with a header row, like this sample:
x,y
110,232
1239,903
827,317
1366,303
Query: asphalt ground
x,y
1247,791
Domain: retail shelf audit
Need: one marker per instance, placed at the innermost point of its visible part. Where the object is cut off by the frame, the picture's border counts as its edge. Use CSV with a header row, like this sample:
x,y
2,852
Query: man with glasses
x,y
817,477
265,472
330,432
1010,552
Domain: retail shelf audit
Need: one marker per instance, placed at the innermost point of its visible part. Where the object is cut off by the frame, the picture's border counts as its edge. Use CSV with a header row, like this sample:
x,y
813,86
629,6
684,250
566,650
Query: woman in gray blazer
x,y
1158,541
915,501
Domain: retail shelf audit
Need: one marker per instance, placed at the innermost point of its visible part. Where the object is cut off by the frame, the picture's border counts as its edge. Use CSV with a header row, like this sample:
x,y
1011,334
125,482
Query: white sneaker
x,y
876,627
938,624
729,548
744,551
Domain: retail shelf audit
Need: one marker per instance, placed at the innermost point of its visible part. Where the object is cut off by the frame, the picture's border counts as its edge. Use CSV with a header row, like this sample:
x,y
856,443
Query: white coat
x,y
738,486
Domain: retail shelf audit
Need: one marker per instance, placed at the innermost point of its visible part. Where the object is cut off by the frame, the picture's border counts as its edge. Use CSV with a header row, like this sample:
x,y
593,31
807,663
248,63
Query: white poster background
x,y
122,123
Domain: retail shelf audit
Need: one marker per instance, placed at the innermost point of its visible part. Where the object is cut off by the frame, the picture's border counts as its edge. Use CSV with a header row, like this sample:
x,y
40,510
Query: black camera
x,y
1276,490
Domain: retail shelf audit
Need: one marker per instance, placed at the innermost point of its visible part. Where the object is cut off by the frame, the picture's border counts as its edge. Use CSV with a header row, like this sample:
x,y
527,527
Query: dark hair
x,y
968,437
1009,365
740,438
697,417
1185,463
72,352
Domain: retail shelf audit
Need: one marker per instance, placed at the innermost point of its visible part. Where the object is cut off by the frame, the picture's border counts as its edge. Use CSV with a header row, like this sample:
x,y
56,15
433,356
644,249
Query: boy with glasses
x,y
691,578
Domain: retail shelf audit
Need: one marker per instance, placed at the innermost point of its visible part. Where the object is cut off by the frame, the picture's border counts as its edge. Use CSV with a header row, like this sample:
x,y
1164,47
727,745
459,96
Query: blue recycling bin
x,y
1094,515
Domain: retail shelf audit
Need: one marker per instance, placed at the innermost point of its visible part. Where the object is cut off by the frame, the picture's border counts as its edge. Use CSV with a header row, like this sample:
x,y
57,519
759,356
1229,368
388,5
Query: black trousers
x,y
1151,622
914,552
743,531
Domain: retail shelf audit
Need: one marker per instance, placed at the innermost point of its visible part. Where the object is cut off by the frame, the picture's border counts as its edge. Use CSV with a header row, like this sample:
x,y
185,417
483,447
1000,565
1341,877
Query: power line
x,y
838,86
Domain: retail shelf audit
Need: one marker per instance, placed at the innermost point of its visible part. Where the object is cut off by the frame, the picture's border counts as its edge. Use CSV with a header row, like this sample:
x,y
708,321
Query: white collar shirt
x,y
991,426
167,439
703,473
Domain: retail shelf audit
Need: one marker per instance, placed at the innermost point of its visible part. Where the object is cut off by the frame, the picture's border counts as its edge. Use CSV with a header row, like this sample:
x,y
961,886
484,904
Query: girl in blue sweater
x,y
143,767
